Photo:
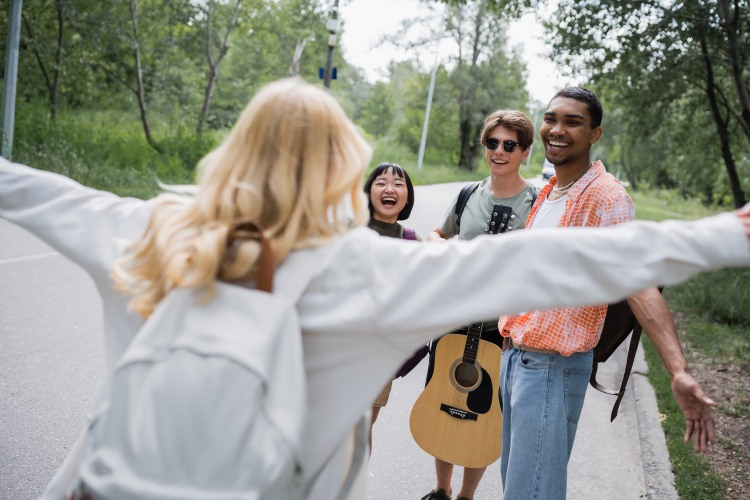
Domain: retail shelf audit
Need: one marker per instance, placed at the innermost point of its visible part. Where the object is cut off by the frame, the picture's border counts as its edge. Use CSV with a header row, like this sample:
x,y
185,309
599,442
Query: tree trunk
x,y
53,86
735,59
54,89
467,127
139,91
721,127
213,67
627,165
298,49
465,161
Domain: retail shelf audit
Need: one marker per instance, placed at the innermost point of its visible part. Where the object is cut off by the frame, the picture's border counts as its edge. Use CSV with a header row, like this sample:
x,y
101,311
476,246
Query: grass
x,y
694,478
106,149
664,204
717,326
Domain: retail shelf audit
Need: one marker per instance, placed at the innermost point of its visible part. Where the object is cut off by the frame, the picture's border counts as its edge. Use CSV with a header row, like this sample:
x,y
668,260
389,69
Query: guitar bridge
x,y
458,413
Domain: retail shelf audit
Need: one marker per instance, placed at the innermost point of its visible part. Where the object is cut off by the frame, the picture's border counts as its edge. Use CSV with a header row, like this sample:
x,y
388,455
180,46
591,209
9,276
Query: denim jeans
x,y
542,400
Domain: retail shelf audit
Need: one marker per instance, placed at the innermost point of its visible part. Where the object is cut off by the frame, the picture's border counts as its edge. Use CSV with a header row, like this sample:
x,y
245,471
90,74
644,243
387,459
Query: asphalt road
x,y
51,368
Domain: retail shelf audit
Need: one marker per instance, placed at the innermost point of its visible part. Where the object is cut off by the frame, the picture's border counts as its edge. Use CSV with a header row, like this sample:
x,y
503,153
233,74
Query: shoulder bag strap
x,y
635,338
463,198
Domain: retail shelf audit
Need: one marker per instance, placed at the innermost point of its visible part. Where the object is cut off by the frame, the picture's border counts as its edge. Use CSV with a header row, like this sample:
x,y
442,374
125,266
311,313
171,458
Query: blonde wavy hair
x,y
293,162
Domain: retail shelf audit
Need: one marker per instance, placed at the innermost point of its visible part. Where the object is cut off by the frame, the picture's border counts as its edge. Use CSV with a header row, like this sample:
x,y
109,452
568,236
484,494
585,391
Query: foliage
x,y
486,75
659,130
376,113
671,67
88,148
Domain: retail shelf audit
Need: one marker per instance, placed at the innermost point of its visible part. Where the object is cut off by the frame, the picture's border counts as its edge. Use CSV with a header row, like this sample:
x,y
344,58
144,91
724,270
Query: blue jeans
x,y
542,401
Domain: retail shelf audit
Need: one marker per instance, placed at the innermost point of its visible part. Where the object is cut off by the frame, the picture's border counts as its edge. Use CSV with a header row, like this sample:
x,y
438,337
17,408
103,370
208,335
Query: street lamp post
x,y
426,122
333,27
11,75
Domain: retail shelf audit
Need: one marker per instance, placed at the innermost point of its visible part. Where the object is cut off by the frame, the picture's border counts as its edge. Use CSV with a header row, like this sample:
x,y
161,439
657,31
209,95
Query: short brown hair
x,y
512,120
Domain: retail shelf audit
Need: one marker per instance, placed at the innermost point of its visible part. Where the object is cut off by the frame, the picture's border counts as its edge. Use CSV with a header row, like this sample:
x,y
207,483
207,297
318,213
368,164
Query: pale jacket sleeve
x,y
413,292
88,226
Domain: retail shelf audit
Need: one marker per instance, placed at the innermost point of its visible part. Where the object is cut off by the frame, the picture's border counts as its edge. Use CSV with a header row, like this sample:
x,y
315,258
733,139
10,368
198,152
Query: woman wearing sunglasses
x,y
507,136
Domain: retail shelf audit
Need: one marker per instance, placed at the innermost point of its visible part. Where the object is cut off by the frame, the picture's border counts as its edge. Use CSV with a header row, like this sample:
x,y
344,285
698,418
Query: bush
x,y
106,149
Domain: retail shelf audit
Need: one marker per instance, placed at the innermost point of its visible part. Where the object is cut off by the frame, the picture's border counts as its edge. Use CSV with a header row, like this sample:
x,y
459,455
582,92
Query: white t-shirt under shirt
x,y
549,213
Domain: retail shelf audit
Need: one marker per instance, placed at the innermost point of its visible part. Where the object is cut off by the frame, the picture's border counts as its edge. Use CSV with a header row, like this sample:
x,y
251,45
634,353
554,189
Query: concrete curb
x,y
657,468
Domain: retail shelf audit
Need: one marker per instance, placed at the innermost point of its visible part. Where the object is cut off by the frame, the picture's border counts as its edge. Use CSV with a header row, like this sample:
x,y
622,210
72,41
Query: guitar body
x,y
458,418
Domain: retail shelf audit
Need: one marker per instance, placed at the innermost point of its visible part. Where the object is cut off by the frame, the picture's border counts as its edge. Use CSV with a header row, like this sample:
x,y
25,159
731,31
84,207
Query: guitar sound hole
x,y
466,375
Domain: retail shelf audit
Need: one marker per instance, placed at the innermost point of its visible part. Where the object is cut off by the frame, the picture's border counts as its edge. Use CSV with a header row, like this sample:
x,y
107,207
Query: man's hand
x,y
436,235
696,406
652,313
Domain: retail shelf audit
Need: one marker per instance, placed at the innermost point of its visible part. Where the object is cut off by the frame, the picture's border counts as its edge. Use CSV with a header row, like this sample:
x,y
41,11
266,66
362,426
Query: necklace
x,y
564,188
567,186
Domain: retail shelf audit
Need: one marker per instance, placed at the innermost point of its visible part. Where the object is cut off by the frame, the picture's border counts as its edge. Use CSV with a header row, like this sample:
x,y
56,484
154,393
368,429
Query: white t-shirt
x,y
549,213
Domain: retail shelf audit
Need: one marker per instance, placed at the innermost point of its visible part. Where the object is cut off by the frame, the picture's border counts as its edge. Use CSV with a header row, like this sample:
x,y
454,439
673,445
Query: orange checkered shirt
x,y
596,200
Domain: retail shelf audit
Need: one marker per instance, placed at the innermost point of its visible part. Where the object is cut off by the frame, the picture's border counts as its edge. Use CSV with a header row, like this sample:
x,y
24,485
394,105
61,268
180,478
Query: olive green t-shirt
x,y
477,212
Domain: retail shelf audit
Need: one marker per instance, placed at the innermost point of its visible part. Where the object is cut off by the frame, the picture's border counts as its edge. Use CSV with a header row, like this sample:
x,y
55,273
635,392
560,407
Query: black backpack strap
x,y
463,198
635,338
534,196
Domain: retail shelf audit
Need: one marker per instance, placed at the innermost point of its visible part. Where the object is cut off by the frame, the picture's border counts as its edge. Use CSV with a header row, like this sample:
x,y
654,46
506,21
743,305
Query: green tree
x,y
215,43
377,110
653,57
478,31
47,50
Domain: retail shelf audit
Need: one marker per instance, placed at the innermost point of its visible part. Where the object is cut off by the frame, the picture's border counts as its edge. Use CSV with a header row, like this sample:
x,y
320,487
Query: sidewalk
x,y
625,459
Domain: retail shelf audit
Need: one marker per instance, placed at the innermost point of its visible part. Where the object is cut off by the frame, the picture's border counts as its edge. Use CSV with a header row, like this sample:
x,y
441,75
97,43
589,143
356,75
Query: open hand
x,y
696,406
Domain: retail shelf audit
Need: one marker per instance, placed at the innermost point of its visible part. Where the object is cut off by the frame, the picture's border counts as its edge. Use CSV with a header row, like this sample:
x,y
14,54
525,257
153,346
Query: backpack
x,y
208,401
410,233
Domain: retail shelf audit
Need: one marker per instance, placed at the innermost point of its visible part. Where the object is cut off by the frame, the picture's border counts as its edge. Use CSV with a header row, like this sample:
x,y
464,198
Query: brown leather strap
x,y
266,263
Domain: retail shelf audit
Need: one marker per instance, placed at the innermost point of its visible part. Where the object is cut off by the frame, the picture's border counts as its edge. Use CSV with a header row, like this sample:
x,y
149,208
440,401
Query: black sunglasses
x,y
492,144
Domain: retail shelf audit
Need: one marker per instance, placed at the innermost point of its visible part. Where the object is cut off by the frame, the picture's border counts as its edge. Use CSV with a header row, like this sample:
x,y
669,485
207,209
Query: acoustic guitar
x,y
458,417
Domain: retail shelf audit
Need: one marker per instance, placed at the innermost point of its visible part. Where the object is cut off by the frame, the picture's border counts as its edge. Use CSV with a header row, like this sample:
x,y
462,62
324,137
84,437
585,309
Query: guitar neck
x,y
473,335
498,223
501,216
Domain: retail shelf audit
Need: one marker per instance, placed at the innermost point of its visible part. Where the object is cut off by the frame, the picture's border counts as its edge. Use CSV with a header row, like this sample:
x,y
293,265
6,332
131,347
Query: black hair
x,y
587,97
398,170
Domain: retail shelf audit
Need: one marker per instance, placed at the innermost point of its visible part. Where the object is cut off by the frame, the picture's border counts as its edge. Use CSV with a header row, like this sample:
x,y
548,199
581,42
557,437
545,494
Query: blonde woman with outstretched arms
x,y
294,163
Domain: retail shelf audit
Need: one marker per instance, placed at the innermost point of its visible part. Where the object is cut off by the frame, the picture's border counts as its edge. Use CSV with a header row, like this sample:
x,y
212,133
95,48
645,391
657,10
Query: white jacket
x,y
377,299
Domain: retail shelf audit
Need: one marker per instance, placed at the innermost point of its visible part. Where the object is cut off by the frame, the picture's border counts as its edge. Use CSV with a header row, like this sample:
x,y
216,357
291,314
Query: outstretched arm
x,y
652,313
88,226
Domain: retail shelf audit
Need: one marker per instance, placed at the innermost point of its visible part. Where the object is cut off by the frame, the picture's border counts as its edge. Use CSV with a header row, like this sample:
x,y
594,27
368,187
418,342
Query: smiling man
x,y
545,373
507,136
